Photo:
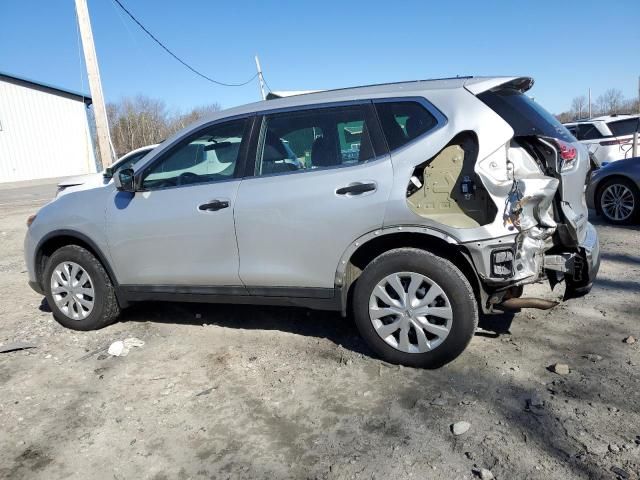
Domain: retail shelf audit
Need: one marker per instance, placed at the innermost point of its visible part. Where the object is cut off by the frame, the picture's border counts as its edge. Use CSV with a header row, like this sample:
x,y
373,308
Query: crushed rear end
x,y
544,202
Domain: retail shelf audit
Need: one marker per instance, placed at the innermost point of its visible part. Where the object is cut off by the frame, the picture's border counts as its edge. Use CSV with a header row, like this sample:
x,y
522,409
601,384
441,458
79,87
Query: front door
x,y
179,230
322,179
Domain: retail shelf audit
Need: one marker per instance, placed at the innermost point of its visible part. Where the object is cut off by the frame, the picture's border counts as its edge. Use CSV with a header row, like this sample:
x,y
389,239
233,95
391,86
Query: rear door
x,y
321,179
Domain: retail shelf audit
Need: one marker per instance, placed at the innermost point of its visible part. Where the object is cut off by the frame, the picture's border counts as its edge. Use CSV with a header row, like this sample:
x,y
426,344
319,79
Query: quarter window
x,y
209,155
588,131
404,121
317,138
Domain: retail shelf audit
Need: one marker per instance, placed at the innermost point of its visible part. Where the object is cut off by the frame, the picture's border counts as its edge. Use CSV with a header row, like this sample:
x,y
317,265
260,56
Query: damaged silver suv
x,y
415,206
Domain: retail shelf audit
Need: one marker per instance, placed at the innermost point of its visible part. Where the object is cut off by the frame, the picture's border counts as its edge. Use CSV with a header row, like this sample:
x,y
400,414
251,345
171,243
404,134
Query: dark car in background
x,y
614,191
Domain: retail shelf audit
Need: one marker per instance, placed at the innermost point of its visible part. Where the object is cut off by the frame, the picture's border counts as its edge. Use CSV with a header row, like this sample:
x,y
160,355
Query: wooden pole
x,y
264,96
95,85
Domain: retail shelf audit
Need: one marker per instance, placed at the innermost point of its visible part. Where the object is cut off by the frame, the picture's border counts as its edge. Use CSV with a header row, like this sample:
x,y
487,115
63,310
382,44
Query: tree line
x,y
610,102
138,121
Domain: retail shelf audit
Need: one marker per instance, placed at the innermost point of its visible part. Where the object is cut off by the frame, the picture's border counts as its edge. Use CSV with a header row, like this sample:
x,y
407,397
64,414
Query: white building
x,y
44,131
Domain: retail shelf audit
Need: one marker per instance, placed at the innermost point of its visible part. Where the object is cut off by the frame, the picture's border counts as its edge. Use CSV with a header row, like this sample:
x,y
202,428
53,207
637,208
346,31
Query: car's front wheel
x,y
415,308
619,201
78,289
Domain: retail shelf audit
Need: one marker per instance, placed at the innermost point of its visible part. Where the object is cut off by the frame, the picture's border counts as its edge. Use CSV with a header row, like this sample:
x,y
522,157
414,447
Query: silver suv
x,y
415,206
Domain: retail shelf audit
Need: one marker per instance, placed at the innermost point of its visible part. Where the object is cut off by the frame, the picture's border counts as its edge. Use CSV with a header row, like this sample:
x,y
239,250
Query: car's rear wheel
x,y
415,308
618,201
78,289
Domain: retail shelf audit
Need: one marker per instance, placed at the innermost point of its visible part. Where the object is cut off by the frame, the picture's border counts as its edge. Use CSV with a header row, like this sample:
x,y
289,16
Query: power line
x,y
178,58
266,84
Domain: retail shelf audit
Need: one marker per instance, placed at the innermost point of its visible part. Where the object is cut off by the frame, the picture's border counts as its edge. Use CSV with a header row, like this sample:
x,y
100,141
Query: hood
x,y
81,182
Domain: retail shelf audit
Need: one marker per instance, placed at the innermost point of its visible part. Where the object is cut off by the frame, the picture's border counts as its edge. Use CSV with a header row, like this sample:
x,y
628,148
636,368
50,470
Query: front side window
x,y
207,156
403,121
316,138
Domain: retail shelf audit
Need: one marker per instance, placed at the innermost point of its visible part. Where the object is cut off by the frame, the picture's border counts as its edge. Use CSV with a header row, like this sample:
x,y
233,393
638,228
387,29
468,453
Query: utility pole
x,y
264,96
95,86
589,102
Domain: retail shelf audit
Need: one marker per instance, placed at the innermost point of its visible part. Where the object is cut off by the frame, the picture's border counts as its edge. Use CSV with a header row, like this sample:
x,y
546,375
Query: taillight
x,y
568,155
617,141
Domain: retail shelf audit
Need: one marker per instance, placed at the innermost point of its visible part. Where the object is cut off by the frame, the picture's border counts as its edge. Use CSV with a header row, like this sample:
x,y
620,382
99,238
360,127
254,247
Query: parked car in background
x,y
614,191
413,205
608,138
126,161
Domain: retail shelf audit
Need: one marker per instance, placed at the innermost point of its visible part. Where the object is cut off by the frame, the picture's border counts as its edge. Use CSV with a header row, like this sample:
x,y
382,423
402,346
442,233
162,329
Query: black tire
x,y
635,214
450,279
105,305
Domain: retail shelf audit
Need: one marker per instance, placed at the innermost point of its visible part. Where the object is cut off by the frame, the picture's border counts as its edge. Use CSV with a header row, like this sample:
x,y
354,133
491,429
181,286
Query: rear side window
x,y
317,138
624,127
403,121
524,115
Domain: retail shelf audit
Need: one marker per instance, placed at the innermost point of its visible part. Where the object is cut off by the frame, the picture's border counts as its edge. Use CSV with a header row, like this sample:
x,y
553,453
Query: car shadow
x,y
599,221
300,321
312,323
44,306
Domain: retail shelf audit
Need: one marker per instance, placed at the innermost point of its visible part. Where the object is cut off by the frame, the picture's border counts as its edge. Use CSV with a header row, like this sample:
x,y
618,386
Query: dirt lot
x,y
222,391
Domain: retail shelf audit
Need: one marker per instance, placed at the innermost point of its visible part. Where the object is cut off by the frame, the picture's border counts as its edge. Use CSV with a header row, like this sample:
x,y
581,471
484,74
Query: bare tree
x,y
578,105
180,121
565,117
610,101
139,121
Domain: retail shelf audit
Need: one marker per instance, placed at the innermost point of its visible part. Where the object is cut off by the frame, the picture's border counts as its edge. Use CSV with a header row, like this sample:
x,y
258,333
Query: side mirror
x,y
125,180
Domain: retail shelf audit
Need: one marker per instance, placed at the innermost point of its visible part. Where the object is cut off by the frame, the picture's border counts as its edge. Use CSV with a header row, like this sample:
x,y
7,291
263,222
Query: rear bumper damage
x,y
534,253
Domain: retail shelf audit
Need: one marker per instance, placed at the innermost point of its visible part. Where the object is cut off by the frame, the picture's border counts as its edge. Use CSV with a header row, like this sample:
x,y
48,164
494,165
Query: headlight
x,y
31,219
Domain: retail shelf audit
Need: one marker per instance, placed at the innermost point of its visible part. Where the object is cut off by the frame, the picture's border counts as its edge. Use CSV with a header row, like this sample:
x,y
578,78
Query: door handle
x,y
356,189
214,205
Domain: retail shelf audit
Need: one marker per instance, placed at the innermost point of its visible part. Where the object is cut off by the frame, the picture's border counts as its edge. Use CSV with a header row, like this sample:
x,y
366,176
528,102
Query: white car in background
x,y
126,161
608,138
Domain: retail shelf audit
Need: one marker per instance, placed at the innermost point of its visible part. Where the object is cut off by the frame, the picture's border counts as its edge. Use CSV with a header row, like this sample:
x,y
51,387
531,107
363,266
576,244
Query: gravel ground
x,y
221,391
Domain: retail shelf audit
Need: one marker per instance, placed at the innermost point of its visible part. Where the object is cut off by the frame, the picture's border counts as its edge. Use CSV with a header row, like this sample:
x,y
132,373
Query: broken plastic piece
x,y
120,348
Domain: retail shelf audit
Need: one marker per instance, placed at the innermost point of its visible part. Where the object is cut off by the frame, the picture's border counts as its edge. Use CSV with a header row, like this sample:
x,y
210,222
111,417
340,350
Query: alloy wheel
x,y
410,312
617,202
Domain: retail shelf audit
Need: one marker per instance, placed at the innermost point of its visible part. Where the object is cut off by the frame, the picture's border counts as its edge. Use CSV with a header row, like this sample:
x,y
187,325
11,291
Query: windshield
x,y
525,116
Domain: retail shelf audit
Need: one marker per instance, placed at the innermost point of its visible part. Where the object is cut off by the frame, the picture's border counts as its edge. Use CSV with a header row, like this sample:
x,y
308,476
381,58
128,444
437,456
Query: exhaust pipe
x,y
518,303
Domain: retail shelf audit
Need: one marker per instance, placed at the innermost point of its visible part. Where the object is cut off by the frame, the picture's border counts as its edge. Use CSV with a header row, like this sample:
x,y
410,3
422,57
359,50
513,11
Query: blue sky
x,y
326,44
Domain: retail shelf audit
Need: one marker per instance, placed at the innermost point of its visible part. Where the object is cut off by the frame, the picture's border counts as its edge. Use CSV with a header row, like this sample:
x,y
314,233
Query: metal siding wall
x,y
43,135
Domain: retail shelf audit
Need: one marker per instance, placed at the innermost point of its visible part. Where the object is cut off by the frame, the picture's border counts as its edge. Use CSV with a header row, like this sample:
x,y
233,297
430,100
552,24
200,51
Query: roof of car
x,y
604,118
473,84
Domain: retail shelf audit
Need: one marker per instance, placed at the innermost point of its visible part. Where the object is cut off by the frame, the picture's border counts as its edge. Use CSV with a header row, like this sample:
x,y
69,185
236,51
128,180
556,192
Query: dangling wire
x,y
178,58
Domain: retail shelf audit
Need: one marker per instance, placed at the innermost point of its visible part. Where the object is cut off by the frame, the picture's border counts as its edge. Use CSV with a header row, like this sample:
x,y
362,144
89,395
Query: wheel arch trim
x,y
380,232
81,237
342,283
